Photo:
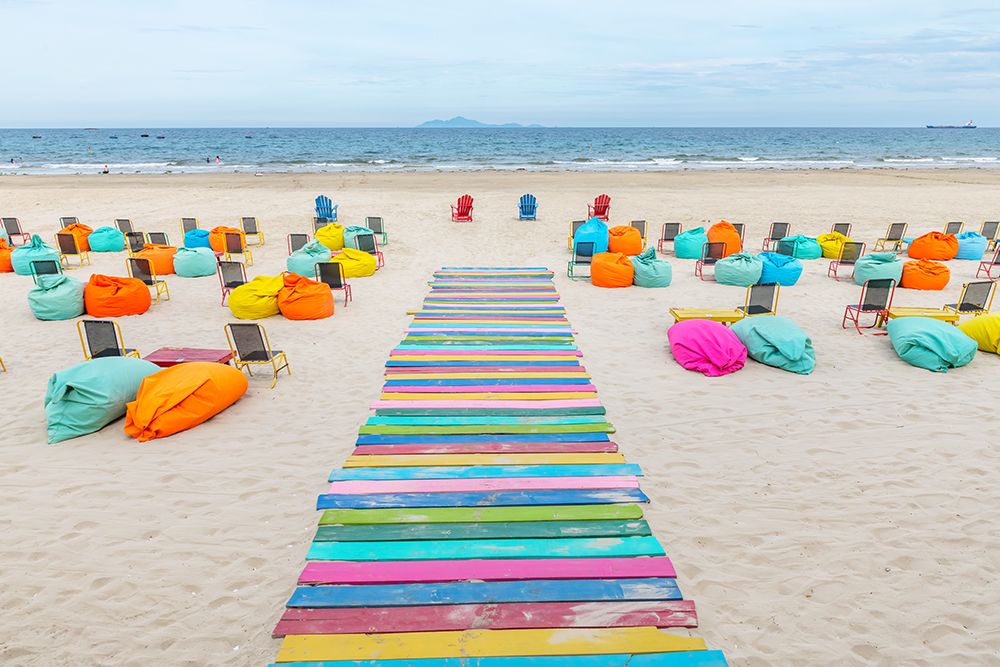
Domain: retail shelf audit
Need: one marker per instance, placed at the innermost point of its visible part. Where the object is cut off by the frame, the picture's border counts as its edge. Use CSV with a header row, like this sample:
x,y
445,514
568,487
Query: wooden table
x,y
934,313
724,315
171,356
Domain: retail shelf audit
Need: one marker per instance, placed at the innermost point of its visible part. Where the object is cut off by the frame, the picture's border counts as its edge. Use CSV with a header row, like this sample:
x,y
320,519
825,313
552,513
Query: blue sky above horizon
x,y
390,63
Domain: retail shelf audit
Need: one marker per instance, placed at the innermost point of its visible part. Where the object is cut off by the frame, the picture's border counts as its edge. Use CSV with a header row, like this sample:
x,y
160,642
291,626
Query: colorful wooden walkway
x,y
486,518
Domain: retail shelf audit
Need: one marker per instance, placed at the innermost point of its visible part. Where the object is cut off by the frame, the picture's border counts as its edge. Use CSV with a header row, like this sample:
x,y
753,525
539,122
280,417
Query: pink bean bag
x,y
708,347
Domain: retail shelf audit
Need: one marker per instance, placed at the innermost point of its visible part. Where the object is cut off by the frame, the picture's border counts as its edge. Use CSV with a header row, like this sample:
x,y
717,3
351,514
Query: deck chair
x,y
775,233
668,233
583,254
893,238
573,227
188,224
159,238
134,242
876,299
976,299
368,243
332,274
68,248
319,223
850,252
842,228
377,225
231,276
989,230
600,209
250,347
954,228
461,211
761,300
741,229
103,338
142,269
44,267
236,245
124,225
13,228
527,207
3,368
296,241
251,227
326,209
67,220
640,226
990,265
711,253
783,247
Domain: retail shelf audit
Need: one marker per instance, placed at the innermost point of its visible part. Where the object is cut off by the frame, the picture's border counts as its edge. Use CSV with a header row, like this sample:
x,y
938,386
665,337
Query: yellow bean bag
x,y
985,330
832,244
357,263
257,299
332,236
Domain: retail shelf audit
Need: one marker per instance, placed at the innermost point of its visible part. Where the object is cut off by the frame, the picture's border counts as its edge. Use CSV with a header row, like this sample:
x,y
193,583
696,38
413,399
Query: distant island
x,y
460,121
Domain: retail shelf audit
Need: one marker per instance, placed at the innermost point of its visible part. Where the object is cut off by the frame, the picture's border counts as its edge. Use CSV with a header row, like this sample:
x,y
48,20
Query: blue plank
x,y
452,420
489,437
328,501
484,472
673,659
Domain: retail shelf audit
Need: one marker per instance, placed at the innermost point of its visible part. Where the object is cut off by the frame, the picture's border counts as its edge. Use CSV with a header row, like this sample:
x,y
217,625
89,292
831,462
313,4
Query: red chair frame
x,y
601,208
461,211
854,313
987,267
708,258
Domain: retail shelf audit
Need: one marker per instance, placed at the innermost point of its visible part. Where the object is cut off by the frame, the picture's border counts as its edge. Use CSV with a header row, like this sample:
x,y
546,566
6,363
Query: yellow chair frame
x,y
897,244
160,285
573,226
2,367
746,302
118,333
247,255
259,234
83,255
273,360
954,308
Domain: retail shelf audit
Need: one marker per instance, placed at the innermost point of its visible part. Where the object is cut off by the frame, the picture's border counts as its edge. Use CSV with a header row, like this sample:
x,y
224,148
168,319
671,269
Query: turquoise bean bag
x,y
197,238
878,266
195,262
741,269
56,297
777,341
780,269
593,231
803,247
351,232
36,250
106,239
971,245
650,271
932,344
688,245
304,260
85,398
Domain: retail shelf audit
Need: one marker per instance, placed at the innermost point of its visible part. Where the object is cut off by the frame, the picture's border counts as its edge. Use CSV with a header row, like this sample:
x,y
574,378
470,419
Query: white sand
x,y
844,518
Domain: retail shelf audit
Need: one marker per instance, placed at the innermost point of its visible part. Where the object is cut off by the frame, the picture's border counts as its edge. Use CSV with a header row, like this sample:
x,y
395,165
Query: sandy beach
x,y
847,517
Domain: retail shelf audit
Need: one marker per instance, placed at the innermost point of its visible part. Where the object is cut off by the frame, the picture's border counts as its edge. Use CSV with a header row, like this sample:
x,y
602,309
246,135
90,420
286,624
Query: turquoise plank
x,y
328,501
375,439
480,421
672,659
515,412
483,472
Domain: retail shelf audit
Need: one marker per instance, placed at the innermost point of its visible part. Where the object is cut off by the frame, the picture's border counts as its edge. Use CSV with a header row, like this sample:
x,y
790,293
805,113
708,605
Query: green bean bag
x,y
650,271
878,266
932,344
304,260
195,262
85,398
106,239
688,245
350,233
36,250
56,297
777,341
742,269
803,247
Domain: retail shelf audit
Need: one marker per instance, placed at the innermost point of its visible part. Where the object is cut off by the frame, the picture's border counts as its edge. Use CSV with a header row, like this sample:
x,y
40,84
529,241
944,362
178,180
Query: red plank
x,y
490,448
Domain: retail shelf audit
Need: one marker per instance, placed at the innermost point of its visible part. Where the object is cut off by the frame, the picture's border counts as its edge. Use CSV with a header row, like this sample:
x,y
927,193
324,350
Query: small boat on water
x,y
36,136
967,126
113,136
161,136
146,136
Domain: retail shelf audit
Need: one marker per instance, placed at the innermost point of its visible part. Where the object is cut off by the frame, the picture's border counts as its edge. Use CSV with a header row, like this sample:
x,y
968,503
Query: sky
x,y
386,63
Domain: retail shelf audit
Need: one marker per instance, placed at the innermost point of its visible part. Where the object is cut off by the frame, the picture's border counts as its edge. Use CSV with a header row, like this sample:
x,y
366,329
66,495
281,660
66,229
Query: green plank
x,y
481,514
486,419
505,530
472,412
486,429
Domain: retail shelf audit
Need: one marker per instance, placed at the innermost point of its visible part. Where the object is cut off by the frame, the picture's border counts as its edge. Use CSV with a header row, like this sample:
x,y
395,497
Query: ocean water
x,y
545,149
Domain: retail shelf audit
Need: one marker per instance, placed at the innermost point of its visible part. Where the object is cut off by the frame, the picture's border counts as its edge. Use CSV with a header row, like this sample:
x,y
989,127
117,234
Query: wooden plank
x,y
428,439
434,420
438,411
493,389
480,514
402,374
417,381
394,461
487,396
488,448
481,531
485,429
482,498
486,404
478,472
697,658
481,485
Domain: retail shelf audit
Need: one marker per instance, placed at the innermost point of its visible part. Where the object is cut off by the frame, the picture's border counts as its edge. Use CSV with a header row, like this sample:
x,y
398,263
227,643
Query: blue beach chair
x,y
527,207
326,209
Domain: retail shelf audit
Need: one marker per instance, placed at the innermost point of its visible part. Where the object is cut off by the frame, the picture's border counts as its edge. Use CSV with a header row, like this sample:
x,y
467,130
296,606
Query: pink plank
x,y
490,388
478,353
488,329
570,403
361,487
490,448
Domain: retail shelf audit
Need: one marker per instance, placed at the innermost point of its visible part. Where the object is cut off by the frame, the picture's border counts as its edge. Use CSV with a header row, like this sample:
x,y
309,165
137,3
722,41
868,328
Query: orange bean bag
x,y
181,397
81,233
111,296
161,257
925,274
724,232
625,239
5,250
611,269
217,237
934,245
304,299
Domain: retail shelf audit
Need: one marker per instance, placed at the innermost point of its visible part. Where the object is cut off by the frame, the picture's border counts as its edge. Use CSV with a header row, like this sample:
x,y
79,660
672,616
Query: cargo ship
x,y
967,126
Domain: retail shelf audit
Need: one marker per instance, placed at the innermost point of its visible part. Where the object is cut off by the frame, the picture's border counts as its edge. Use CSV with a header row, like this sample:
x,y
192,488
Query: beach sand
x,y
848,517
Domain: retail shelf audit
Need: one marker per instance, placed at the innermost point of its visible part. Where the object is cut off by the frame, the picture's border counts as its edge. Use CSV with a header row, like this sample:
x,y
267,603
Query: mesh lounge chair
x,y
741,229
990,265
44,267
668,233
250,347
187,224
777,231
527,208
377,225
876,299
326,209
68,220
640,225
849,254
367,243
68,248
989,230
102,338
573,227
461,211
159,238
842,228
13,228
134,242
332,274
583,254
231,276
251,227
124,225
296,241
761,300
319,223
711,253
142,269
954,227
893,239
600,209
784,247
976,299
236,245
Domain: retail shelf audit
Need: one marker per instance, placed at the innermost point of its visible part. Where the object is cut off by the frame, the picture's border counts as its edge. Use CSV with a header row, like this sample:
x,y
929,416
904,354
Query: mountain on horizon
x,y
461,121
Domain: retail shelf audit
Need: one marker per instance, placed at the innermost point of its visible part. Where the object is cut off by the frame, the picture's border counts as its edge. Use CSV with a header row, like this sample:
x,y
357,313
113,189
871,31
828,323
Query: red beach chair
x,y
990,265
710,254
876,299
600,208
461,211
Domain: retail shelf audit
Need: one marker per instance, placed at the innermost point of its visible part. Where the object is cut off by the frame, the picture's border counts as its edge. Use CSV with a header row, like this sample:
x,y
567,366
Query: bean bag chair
x,y
257,299
217,237
933,245
304,260
3,235
803,247
56,297
932,344
985,330
81,233
34,250
5,251
625,239
878,266
111,296
925,274
611,269
332,236
351,232
85,398
650,271
305,299
780,269
742,269
724,232
971,245
777,341
195,262
593,231
357,263
831,244
688,245
106,239
198,238
161,257
181,397
707,347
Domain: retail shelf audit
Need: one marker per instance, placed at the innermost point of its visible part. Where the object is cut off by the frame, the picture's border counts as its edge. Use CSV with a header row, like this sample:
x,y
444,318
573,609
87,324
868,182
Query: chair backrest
x,y
250,342
528,204
954,227
296,241
464,204
761,299
639,225
232,274
851,252
876,295
12,226
250,224
319,223
366,243
324,207
601,204
976,296
785,247
45,267
142,269
671,230
331,273
103,338
375,223
990,229
996,256
235,243
778,231
187,224
841,228
159,238
713,251
575,225
740,229
136,241
124,225
895,231
583,252
67,244
68,220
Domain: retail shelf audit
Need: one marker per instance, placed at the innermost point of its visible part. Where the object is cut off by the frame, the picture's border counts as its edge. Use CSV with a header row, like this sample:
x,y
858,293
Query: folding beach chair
x,y
777,231
527,208
954,228
784,247
142,269
976,298
3,368
377,225
187,225
573,227
842,228
711,253
231,276
991,265
461,211
68,248
849,254
159,238
740,229
640,226
124,225
583,254
236,245
326,209
319,223
250,347
761,300
67,220
989,230
134,242
296,241
103,338
893,238
668,233
251,227
44,267
367,243
13,228
332,274
876,299
600,209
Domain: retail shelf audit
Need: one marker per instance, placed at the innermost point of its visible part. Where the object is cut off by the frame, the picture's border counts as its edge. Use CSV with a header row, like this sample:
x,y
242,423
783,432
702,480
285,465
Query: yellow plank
x,y
715,314
915,311
407,460
501,396
492,375
484,643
